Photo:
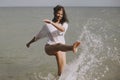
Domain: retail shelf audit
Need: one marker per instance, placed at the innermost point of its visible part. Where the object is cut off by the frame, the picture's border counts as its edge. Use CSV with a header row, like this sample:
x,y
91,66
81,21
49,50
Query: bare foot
x,y
75,46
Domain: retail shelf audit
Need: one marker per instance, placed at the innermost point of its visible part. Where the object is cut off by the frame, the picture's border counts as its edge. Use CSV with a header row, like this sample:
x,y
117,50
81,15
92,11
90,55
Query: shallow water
x,y
98,57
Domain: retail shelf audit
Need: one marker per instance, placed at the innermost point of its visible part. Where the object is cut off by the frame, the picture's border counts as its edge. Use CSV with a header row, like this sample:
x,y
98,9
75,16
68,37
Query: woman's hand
x,y
47,21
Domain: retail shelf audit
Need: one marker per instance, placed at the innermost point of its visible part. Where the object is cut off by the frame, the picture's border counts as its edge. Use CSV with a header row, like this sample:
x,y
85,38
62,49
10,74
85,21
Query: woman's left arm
x,y
59,27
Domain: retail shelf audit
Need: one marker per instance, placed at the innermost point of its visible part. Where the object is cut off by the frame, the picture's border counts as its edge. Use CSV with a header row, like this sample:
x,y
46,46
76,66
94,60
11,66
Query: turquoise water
x,y
98,57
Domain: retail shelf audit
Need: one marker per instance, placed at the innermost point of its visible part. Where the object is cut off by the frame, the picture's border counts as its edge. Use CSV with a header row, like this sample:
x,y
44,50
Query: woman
x,y
55,30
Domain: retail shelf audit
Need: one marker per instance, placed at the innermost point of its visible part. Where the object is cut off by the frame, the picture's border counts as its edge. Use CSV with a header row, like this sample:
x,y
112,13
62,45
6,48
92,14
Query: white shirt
x,y
53,35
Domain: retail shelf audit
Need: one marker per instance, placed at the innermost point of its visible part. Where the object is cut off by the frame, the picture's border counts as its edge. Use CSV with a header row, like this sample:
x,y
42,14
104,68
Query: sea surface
x,y
98,56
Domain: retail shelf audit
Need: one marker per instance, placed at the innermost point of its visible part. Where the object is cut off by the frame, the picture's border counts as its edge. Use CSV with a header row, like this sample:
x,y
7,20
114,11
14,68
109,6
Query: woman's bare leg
x,y
61,61
59,51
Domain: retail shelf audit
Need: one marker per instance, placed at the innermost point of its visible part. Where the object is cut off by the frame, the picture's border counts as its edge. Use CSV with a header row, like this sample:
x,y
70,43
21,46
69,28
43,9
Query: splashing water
x,y
96,52
94,55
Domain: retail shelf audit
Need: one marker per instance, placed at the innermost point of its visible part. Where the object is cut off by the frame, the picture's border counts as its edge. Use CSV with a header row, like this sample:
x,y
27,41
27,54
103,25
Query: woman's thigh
x,y
61,56
52,49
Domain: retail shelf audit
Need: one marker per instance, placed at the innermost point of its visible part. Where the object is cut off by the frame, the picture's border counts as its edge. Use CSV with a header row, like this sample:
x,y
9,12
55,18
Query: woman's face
x,y
59,15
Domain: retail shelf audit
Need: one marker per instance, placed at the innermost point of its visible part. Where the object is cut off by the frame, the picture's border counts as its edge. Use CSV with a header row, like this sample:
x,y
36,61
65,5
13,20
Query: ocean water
x,y
98,57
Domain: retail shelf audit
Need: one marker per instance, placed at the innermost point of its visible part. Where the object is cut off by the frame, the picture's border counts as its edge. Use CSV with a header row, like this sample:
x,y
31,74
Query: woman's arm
x,y
59,27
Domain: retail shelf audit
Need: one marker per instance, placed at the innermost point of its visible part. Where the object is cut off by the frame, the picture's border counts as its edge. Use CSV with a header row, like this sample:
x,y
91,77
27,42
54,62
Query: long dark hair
x,y
64,18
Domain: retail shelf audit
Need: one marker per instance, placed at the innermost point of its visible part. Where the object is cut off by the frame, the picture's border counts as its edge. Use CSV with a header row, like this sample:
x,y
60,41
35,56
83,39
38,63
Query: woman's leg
x,y
50,49
61,61
58,51
63,47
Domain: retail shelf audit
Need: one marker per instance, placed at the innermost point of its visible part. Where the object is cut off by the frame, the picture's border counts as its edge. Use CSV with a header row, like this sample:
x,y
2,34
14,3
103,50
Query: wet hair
x,y
64,18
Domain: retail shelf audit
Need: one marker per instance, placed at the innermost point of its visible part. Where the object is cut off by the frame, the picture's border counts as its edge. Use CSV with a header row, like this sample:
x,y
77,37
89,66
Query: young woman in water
x,y
55,30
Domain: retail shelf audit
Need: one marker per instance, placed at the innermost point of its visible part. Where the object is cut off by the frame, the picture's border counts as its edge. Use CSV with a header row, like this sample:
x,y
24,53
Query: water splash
x,y
94,55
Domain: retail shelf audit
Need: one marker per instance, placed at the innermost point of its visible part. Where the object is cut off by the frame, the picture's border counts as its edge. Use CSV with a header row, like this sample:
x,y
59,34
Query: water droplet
x,y
103,75
107,68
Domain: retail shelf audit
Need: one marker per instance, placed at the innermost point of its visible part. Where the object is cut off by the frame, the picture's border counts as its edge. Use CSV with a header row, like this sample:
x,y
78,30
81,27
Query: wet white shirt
x,y
53,35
